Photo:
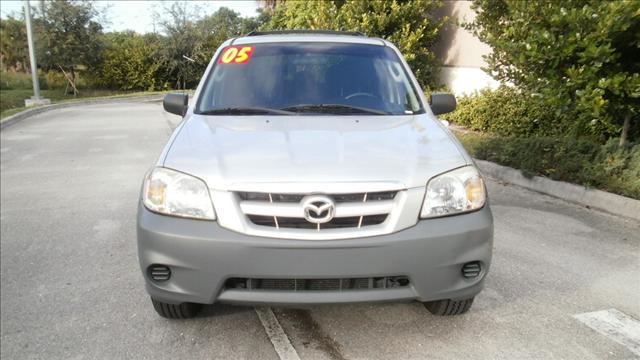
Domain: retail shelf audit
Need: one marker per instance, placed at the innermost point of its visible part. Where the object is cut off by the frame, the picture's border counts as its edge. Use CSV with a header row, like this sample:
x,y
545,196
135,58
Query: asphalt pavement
x,y
70,286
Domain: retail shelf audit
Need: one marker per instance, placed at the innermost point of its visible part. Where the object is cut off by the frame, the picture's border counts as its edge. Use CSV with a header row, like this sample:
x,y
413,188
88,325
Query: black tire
x,y
176,311
449,307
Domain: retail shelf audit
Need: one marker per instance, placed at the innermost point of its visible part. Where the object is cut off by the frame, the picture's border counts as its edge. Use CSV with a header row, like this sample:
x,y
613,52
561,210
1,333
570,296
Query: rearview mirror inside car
x,y
176,103
442,103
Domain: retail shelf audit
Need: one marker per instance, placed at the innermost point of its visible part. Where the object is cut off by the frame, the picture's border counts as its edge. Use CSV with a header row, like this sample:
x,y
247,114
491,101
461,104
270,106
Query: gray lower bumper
x,y
202,255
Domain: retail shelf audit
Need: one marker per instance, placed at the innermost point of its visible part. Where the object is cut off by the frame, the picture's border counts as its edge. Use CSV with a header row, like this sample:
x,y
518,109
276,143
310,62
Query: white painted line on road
x,y
616,325
276,334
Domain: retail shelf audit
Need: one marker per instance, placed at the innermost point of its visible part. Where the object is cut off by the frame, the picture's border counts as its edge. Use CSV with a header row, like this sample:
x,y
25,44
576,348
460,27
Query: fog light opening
x,y
159,273
471,270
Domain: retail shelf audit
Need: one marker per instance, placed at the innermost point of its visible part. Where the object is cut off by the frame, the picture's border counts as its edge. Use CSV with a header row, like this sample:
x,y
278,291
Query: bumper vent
x,y
387,282
471,270
159,273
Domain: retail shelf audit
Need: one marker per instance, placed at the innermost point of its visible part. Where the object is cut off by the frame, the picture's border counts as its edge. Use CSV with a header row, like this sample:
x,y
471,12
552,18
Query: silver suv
x,y
310,168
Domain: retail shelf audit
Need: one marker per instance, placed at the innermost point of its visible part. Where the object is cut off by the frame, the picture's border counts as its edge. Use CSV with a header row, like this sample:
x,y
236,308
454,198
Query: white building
x,y
461,52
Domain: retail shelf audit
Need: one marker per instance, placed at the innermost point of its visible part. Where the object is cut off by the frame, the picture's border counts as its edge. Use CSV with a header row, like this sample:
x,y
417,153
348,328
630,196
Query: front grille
x,y
287,211
339,284
296,198
301,223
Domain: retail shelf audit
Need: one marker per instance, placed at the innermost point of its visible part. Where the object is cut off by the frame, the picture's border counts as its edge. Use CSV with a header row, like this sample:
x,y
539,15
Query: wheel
x,y
176,311
449,307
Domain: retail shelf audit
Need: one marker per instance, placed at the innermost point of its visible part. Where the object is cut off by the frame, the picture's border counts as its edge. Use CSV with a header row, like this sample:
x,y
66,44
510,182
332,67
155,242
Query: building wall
x,y
461,52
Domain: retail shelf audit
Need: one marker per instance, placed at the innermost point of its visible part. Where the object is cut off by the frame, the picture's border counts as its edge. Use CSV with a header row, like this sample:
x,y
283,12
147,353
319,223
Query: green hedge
x,y
506,111
607,167
48,80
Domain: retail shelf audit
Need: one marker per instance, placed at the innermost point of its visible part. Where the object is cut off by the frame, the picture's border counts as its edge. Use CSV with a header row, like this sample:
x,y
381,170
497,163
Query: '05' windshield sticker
x,y
236,55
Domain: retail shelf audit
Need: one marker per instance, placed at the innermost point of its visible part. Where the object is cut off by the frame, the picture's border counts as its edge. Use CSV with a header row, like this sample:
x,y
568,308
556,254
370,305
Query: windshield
x,y
293,78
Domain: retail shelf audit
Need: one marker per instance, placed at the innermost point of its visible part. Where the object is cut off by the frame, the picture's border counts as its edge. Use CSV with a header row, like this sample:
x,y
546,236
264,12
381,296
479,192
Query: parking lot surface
x,y
71,287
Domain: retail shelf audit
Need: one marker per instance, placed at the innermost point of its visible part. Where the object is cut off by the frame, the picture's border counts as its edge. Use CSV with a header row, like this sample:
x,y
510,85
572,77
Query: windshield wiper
x,y
244,111
334,109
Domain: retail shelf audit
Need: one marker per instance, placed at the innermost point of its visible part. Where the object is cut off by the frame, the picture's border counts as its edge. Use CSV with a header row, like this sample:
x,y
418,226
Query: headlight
x,y
173,193
454,192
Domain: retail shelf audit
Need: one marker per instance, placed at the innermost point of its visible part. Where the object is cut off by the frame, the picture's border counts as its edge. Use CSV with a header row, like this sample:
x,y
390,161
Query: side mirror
x,y
442,103
176,103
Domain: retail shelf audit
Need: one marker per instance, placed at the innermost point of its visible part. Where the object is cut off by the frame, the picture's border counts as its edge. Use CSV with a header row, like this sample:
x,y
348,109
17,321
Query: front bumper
x,y
202,256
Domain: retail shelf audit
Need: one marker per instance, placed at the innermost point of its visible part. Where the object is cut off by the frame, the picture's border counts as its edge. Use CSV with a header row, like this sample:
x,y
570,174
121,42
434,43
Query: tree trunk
x,y
624,136
70,80
73,82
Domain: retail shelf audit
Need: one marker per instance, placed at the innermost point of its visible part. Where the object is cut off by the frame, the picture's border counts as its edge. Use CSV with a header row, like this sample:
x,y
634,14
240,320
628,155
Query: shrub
x,y
49,80
54,80
409,24
130,62
506,111
10,80
580,54
617,169
607,167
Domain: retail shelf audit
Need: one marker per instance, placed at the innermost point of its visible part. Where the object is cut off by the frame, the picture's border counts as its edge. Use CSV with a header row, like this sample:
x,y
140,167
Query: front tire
x,y
176,311
449,307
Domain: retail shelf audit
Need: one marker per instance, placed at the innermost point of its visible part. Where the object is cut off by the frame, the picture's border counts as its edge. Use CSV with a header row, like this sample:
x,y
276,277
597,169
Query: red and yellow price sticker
x,y
236,55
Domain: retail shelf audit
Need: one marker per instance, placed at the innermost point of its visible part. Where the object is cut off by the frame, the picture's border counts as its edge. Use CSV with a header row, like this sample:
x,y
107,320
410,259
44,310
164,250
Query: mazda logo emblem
x,y
318,209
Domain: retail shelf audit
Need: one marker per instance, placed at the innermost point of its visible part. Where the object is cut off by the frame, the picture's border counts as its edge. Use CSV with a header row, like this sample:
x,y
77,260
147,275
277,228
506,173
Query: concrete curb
x,y
40,109
596,199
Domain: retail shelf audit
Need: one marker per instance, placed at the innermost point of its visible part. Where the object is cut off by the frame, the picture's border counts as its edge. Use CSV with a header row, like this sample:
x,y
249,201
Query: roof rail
x,y
308,32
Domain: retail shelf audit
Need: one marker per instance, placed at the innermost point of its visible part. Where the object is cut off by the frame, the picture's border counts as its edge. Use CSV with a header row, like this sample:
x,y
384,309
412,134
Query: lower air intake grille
x,y
386,282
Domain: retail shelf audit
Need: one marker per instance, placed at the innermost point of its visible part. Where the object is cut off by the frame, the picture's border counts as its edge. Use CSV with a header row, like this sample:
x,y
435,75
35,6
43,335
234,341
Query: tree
x,y
71,38
250,24
182,37
304,15
13,44
187,34
580,55
130,61
215,29
405,23
270,4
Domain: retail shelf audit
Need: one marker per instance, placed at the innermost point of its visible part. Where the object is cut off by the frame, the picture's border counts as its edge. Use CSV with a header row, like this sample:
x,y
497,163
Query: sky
x,y
137,15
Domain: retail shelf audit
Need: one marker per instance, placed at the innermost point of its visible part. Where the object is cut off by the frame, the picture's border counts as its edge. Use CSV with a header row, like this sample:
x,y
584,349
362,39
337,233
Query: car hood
x,y
246,152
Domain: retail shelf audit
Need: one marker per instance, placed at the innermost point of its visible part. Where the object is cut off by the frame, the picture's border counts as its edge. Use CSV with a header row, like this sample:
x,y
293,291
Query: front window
x,y
318,78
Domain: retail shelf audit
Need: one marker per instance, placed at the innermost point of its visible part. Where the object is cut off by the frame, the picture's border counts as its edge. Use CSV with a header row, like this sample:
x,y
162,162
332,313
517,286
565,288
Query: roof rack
x,y
308,32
